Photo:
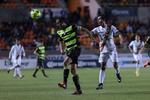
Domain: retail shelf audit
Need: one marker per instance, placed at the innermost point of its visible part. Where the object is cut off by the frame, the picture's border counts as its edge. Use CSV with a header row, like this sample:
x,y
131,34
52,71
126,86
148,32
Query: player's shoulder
x,y
97,28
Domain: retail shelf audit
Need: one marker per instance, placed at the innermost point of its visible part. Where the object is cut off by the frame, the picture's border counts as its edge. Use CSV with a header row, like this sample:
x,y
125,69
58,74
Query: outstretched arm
x,y
89,33
61,47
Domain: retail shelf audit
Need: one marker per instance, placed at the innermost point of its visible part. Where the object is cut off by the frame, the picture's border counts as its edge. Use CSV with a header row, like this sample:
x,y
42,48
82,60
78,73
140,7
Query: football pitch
x,y
40,88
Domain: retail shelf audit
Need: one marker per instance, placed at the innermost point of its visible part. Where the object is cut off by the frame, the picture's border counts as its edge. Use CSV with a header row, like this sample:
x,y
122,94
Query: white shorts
x,y
16,62
105,56
137,57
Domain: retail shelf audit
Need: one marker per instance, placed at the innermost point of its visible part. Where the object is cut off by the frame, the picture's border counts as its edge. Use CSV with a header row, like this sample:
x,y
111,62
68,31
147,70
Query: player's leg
x,y
19,72
146,63
66,62
75,79
15,73
137,61
102,60
74,57
42,68
37,68
14,64
114,58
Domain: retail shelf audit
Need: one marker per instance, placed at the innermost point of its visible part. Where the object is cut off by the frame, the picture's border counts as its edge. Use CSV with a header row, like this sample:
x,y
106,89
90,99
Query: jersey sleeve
x,y
11,51
94,31
142,44
23,51
114,30
131,44
58,37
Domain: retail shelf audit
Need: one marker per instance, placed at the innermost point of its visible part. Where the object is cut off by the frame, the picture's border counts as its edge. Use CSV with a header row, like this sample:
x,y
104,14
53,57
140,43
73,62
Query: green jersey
x,y
41,52
69,36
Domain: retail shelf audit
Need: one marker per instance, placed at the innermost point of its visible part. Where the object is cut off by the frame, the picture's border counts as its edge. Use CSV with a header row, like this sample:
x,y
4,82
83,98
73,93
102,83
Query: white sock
x,y
19,71
15,72
101,76
137,67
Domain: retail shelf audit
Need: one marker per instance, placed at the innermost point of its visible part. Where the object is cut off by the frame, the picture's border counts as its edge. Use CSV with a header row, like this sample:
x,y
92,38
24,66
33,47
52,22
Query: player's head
x,y
137,37
100,20
60,23
17,41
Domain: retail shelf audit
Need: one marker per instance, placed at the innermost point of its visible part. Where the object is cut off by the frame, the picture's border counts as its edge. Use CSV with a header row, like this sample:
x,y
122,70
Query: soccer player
x,y
135,48
15,55
40,52
105,32
69,44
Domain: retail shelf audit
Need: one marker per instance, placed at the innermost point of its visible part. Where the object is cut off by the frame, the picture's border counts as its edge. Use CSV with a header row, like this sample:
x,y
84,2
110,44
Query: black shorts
x,y
74,54
40,63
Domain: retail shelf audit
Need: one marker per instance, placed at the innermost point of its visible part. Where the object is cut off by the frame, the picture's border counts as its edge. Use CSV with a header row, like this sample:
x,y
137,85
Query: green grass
x,y
40,88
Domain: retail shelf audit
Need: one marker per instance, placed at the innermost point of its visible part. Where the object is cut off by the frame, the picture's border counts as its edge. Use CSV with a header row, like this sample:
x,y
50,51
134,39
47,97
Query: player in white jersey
x,y
15,55
105,32
135,48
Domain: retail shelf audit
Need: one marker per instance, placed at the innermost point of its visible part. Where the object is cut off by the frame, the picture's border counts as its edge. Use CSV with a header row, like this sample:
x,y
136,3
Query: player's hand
x,y
62,51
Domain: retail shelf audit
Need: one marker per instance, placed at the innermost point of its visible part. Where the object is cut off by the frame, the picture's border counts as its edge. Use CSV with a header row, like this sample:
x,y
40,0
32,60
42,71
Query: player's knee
x,y
115,65
73,71
103,65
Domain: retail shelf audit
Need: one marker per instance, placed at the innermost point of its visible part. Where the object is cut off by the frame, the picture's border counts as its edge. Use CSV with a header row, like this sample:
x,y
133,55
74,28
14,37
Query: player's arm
x,y
142,47
35,52
147,40
85,30
23,52
61,47
11,52
130,45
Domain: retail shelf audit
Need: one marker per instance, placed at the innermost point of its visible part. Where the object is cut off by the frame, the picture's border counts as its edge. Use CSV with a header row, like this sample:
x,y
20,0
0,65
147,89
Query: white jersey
x,y
110,45
136,45
16,51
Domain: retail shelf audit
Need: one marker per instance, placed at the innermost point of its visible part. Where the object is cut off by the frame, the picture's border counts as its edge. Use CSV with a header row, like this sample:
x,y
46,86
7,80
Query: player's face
x,y
137,37
17,42
99,21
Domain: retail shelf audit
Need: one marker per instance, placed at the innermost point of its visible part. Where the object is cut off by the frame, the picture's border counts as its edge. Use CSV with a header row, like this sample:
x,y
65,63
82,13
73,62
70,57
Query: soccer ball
x,y
35,14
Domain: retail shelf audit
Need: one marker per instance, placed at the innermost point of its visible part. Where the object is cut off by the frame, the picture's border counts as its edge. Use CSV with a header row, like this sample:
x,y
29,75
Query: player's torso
x,y
110,45
69,36
137,45
41,52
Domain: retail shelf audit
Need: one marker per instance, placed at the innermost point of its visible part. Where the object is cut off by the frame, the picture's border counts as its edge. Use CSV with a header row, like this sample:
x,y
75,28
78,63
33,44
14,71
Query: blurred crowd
x,y
28,31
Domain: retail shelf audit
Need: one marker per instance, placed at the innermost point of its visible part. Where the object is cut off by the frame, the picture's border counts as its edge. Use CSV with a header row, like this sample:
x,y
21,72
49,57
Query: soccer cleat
x,y
34,76
79,92
118,77
22,77
100,86
62,85
8,71
46,76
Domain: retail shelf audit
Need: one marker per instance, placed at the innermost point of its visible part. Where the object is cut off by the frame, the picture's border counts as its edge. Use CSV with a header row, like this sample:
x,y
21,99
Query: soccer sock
x,y
101,76
15,72
43,72
117,69
19,72
36,70
66,74
76,82
137,66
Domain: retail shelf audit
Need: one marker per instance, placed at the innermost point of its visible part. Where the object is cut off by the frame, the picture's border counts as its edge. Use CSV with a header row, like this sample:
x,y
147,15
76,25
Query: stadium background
x,y
130,17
